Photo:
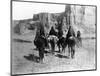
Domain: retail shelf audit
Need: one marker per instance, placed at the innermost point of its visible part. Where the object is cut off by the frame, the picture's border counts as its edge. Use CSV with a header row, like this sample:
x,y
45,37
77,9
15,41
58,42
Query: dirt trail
x,y
84,58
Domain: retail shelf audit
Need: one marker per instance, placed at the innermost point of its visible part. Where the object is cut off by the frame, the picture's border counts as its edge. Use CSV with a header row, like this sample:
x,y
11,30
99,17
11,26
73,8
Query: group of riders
x,y
45,40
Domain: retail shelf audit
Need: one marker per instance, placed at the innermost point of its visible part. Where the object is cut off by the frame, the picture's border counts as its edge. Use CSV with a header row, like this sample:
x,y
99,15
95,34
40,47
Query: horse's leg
x,y
64,46
59,47
50,46
81,41
63,49
53,48
68,51
72,51
41,54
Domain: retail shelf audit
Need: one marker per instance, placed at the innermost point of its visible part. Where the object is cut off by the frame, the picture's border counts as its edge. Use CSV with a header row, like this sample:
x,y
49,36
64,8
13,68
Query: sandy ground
x,y
84,57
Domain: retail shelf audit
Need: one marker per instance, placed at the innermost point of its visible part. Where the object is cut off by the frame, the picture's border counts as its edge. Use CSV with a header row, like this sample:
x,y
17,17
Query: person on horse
x,y
60,34
40,41
70,32
53,38
70,40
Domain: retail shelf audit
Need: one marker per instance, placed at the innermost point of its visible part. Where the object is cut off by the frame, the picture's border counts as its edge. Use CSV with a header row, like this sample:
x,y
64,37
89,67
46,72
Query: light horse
x,y
52,39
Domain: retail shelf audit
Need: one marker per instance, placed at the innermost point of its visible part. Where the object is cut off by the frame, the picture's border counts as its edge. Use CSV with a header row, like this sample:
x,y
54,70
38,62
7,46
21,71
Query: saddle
x,y
71,38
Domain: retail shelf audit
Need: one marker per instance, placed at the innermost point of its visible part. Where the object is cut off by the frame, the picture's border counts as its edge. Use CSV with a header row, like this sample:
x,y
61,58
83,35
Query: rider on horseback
x,y
70,39
40,41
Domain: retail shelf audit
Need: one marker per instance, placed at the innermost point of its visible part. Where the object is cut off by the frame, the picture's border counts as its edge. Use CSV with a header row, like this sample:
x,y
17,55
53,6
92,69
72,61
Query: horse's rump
x,y
61,41
53,37
71,41
40,42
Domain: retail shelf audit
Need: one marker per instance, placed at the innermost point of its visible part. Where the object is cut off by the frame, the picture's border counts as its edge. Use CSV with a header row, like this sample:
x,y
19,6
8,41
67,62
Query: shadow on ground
x,y
61,56
45,51
32,57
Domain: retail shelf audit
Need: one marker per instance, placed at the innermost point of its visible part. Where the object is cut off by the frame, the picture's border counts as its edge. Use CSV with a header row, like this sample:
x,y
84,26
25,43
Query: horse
x,y
79,39
40,42
71,41
62,41
52,39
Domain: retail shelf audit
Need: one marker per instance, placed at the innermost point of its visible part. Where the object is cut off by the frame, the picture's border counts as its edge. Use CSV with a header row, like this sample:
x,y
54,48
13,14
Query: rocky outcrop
x,y
80,17
83,18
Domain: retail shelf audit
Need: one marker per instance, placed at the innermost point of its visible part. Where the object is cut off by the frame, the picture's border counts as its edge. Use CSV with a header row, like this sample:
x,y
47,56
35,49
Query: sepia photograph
x,y
52,37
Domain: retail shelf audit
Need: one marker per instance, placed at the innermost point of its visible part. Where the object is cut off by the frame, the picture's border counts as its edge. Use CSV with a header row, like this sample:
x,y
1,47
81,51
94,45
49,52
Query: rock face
x,y
22,26
48,19
80,17
83,18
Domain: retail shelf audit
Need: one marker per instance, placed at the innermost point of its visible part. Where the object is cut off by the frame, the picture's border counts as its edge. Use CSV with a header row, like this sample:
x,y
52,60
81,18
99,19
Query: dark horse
x,y
71,41
61,41
60,33
40,41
